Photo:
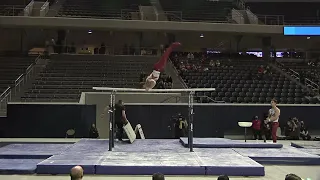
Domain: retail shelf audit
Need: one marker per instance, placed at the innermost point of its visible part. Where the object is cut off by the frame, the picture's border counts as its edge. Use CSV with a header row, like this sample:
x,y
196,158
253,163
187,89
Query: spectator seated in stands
x,y
158,176
256,127
261,70
292,177
218,63
304,133
143,52
190,56
267,70
165,82
212,63
223,177
76,173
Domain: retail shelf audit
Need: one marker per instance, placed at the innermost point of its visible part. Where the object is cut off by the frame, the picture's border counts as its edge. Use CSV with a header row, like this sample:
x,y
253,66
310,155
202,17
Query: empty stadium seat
x,y
233,83
67,76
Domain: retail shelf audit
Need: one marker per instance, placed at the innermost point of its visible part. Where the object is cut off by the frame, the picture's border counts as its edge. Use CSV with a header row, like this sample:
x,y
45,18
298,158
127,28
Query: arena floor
x,y
275,172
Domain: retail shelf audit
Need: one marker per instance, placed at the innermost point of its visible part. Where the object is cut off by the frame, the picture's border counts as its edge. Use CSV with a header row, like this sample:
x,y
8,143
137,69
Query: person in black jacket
x,y
93,133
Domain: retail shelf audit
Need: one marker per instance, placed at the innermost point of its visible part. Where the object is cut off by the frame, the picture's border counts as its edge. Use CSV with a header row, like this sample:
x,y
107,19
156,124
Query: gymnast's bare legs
x,y
152,79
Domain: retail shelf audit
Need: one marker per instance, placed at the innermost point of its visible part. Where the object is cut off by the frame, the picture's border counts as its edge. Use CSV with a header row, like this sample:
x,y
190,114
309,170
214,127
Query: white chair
x,y
245,125
279,134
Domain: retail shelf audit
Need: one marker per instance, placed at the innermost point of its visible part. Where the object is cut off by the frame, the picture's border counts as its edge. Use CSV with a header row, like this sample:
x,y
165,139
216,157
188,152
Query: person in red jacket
x,y
256,127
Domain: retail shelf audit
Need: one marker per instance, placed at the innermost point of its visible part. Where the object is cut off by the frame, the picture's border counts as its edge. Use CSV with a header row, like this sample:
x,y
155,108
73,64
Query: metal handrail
x,y
179,77
315,86
5,92
15,82
294,73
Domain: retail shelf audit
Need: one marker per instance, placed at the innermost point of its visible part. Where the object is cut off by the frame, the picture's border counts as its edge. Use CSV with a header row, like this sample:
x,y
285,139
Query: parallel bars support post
x,y
113,117
111,121
191,113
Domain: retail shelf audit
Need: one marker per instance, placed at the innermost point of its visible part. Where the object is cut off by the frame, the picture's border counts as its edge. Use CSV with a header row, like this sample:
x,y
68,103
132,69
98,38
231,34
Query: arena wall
x,y
40,120
213,120
102,100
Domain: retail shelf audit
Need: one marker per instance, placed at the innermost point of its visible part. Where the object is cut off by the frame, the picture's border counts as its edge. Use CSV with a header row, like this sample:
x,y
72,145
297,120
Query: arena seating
x,y
15,7
106,9
237,82
293,12
12,7
67,76
11,68
200,10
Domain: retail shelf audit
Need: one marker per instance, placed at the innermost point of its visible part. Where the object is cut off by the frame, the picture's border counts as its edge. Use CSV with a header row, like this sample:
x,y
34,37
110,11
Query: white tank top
x,y
272,112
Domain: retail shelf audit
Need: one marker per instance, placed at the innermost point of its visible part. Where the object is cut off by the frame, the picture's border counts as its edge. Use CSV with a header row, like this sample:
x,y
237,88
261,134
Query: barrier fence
x,y
129,14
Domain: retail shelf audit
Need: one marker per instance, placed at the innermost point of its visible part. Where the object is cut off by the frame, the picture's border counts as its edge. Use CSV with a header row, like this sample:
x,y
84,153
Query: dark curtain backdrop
x,y
212,121
48,121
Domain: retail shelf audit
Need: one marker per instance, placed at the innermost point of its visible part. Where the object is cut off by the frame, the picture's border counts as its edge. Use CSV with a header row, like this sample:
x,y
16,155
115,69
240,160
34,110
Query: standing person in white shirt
x,y
274,114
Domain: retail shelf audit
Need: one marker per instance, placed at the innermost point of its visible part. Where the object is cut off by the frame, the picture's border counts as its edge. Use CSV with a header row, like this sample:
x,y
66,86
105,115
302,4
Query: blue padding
x,y
63,168
286,156
226,143
235,171
149,170
287,161
311,151
218,161
18,166
31,151
61,164
227,161
306,144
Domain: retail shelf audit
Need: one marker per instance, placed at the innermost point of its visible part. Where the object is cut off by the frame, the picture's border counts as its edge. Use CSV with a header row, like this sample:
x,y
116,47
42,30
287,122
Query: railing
x,y
28,9
171,15
312,85
44,9
294,74
17,83
5,97
271,19
106,50
11,10
179,77
178,99
290,71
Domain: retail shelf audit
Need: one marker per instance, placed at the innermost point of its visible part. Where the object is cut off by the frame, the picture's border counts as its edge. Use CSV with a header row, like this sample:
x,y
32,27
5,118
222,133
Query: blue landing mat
x,y
306,144
226,143
145,157
310,151
147,163
88,147
228,162
32,151
18,166
61,164
286,156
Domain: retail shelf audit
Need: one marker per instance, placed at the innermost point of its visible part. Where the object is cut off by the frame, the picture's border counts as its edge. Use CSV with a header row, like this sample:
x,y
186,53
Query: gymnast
x,y
151,80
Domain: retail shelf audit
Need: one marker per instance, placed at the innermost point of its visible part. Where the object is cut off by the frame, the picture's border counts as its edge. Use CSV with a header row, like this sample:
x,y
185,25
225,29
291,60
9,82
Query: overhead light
x,y
89,32
201,35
